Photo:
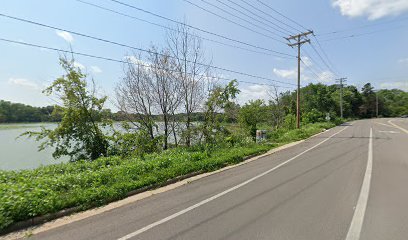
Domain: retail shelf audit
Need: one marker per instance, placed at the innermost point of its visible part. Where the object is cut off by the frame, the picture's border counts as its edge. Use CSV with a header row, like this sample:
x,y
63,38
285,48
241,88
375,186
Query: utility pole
x,y
300,40
341,81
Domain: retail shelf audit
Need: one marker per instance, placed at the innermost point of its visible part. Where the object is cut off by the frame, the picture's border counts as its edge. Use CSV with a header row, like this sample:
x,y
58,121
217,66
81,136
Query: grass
x,y
29,193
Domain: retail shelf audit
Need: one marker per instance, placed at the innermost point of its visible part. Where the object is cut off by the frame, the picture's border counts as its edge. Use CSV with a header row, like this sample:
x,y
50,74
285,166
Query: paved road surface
x,y
333,186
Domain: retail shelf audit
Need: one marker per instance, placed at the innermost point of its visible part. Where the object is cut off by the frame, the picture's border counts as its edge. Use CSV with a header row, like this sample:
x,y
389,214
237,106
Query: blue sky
x,y
377,54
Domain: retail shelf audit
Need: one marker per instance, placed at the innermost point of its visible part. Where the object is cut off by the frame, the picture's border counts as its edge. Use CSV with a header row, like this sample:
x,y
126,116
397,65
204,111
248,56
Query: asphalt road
x,y
347,183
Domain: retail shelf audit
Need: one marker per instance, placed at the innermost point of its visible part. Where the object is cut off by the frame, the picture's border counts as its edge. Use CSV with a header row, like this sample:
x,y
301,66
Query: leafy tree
x,y
393,102
78,135
17,112
252,114
318,97
368,108
220,99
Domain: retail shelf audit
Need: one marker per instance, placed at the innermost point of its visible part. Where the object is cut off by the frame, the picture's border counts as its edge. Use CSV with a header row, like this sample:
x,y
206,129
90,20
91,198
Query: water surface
x,y
22,152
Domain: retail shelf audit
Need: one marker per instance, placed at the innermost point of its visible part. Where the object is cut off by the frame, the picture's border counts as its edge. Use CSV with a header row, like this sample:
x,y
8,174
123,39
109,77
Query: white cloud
x,y
307,61
137,61
399,85
79,65
96,69
307,73
285,73
65,35
291,74
326,77
403,61
22,82
372,9
253,92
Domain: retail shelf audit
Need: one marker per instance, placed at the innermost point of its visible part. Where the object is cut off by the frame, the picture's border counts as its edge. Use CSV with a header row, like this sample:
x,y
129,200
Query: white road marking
x,y
400,128
359,212
393,132
152,225
384,124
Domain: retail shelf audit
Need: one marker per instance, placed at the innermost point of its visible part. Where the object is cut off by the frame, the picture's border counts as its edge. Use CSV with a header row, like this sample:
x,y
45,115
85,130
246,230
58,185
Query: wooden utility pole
x,y
300,40
341,82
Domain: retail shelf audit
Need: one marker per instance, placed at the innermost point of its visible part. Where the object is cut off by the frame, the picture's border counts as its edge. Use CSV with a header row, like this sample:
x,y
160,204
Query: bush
x,y
313,116
136,143
290,121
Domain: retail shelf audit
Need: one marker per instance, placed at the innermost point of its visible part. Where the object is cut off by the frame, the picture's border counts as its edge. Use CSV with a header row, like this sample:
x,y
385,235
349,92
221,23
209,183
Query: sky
x,y
363,40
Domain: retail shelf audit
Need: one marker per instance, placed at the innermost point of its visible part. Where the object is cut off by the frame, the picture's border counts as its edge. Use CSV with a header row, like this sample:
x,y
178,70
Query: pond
x,y
18,153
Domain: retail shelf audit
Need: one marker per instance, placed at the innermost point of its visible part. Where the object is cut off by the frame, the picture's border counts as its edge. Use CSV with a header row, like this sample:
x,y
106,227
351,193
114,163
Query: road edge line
x,y
214,197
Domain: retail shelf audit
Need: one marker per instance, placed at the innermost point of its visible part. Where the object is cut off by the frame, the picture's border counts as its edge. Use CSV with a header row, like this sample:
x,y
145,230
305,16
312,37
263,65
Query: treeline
x,y
18,112
317,100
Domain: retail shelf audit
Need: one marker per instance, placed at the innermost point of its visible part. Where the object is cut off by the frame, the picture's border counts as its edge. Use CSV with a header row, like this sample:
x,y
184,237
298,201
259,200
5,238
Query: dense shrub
x,y
313,116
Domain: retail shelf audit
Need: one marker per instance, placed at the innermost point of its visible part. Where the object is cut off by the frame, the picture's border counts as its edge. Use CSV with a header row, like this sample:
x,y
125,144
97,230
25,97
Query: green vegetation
x,y
79,134
252,114
85,184
17,112
202,128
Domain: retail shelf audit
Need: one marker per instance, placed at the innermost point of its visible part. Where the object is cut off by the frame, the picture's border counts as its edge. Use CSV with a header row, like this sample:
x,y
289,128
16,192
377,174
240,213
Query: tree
x,y
165,90
318,98
78,135
276,108
368,108
252,114
393,103
134,95
220,98
186,48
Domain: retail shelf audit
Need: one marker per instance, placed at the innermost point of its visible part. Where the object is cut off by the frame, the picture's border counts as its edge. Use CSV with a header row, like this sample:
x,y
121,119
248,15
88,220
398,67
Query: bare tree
x,y
277,110
186,49
166,90
134,94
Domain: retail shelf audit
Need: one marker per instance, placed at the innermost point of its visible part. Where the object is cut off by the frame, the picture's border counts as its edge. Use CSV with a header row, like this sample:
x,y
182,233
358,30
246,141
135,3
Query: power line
x,y
362,34
251,17
196,28
363,26
319,45
233,22
269,15
310,70
254,14
276,11
174,30
121,61
135,48
324,53
317,64
321,58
